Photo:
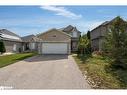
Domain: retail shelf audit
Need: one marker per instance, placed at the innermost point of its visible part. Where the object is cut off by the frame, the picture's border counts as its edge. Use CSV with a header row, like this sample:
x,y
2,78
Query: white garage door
x,y
54,48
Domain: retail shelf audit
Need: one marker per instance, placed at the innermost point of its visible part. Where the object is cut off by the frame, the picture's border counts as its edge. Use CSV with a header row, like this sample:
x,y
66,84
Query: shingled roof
x,y
54,29
30,38
105,23
69,28
8,35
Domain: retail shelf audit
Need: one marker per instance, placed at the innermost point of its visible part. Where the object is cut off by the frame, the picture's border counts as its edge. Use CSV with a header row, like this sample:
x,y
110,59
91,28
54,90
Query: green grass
x,y
9,59
100,73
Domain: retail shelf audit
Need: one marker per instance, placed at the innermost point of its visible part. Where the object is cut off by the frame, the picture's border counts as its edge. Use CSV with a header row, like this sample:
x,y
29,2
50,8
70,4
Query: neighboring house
x,y
12,42
98,35
75,34
30,43
54,41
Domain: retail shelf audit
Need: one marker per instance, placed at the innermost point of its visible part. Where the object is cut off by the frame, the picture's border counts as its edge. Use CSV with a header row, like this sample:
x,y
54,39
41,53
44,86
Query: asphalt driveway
x,y
43,72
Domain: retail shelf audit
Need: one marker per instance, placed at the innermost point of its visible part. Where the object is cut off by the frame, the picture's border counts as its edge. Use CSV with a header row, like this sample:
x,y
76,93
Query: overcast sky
x,y
25,20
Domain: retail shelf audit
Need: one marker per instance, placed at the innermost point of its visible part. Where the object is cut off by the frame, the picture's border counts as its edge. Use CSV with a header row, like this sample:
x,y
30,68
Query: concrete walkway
x,y
43,72
8,53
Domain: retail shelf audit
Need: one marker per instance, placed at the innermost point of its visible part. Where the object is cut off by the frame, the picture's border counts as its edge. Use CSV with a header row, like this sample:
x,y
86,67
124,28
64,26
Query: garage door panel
x,y
54,48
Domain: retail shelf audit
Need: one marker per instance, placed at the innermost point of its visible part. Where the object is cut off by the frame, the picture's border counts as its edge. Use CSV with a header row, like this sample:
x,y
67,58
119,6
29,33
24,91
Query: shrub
x,y
84,46
98,52
2,47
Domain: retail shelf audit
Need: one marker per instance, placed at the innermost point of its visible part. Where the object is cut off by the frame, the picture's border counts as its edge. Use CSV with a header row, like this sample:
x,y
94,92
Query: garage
x,y
54,42
55,48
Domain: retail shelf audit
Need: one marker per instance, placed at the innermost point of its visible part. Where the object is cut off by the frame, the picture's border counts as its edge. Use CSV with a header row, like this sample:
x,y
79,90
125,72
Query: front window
x,y
74,34
14,47
32,45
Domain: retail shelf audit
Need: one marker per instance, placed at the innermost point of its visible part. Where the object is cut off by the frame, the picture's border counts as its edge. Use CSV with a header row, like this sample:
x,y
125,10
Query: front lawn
x,y
99,72
9,59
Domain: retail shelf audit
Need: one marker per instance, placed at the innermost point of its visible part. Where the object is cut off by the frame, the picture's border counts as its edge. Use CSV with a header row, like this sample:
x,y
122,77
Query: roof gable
x,y
56,31
54,35
30,38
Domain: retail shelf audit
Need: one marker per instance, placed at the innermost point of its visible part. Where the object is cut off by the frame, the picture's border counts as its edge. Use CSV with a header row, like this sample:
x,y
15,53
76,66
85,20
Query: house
x,y
59,41
98,35
54,41
30,43
75,34
12,41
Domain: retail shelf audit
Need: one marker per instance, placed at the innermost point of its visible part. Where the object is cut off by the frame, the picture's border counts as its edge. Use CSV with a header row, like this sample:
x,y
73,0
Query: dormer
x,y
75,33
72,31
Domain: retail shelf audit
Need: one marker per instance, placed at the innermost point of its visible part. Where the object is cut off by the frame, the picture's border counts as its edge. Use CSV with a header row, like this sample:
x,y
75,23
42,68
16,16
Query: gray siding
x,y
95,33
97,37
95,44
79,34
36,46
99,32
9,45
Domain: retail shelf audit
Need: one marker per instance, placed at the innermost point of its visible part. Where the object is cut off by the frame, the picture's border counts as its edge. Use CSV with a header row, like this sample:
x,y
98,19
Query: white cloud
x,y
62,11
